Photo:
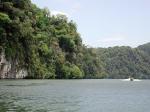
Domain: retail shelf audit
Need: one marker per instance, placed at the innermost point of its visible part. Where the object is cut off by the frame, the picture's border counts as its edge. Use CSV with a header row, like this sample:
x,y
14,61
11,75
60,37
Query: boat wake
x,y
130,79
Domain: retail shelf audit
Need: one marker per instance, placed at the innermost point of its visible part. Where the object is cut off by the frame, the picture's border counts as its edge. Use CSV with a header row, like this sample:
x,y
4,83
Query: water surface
x,y
74,96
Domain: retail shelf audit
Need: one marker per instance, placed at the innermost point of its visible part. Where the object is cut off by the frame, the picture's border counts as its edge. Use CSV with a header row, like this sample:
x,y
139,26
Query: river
x,y
99,95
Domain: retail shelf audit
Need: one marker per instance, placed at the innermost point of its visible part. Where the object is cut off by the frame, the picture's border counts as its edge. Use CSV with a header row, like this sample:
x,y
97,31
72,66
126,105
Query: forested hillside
x,y
145,48
48,46
120,62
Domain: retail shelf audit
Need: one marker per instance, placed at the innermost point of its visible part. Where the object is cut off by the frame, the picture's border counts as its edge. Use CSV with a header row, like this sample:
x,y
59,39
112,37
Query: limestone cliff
x,y
9,69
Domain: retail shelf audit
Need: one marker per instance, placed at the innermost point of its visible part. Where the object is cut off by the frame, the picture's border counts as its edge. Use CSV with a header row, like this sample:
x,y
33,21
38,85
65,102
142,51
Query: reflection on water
x,y
74,96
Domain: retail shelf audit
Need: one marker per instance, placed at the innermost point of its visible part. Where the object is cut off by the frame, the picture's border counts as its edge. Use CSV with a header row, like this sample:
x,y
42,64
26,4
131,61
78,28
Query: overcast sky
x,y
106,23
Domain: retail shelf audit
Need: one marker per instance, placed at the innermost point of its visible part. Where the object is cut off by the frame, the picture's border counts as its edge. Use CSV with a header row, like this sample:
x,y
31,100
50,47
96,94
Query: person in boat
x,y
131,78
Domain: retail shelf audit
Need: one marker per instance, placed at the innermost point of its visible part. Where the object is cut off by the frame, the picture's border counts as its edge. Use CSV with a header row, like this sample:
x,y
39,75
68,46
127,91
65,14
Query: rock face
x,y
9,70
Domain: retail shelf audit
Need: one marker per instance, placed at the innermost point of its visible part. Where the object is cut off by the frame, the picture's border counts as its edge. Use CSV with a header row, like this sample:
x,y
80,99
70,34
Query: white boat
x,y
131,79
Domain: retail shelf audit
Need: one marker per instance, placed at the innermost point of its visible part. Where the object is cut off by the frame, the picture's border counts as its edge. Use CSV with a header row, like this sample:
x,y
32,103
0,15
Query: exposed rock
x,y
9,70
21,74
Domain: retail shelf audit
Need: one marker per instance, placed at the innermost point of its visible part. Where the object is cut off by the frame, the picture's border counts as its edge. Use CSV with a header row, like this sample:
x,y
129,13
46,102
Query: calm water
x,y
74,96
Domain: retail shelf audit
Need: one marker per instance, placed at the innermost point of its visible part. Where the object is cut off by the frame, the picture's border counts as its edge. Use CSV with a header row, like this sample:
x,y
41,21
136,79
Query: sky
x,y
106,23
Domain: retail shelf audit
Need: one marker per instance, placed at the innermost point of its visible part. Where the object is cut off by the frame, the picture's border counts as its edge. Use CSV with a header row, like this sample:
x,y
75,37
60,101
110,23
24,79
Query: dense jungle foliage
x,y
120,62
50,47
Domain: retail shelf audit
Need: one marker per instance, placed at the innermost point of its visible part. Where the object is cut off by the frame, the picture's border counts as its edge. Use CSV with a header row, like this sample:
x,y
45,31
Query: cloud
x,y
65,1
76,7
113,38
73,5
53,12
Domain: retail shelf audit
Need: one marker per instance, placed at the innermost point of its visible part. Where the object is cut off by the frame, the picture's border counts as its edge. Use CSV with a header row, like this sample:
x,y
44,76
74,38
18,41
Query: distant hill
x,y
145,48
121,62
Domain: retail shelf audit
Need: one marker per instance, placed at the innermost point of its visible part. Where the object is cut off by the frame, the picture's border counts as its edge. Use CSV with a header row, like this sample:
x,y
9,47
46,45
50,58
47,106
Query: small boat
x,y
131,79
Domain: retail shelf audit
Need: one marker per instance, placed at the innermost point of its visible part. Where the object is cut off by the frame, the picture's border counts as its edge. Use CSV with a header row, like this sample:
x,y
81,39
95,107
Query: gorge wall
x,y
9,69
